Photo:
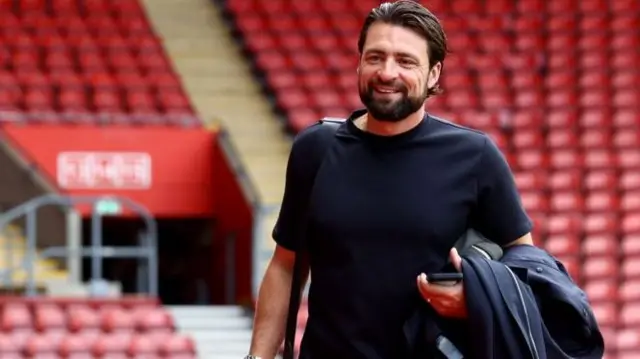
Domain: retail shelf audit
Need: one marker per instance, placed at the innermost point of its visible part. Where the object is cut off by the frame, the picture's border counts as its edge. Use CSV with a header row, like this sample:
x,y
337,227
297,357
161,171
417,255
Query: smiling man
x,y
396,190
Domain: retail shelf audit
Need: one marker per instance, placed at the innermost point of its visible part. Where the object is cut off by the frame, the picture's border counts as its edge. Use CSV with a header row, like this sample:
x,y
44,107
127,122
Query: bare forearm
x,y
271,312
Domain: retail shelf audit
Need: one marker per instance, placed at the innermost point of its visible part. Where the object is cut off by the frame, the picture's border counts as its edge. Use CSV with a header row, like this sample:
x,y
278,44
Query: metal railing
x,y
74,251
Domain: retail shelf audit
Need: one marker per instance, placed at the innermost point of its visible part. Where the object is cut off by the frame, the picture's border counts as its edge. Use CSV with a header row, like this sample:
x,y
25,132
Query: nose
x,y
388,71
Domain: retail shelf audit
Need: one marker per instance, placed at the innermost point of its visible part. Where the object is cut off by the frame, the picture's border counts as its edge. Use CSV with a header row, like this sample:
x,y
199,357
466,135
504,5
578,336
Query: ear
x,y
434,75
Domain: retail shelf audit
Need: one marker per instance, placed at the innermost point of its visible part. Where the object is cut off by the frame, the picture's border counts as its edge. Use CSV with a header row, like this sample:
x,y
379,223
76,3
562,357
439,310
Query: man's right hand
x,y
272,304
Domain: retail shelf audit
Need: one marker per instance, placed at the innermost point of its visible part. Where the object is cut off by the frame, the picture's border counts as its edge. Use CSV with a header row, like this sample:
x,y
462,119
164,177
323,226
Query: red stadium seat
x,y
177,345
630,290
83,318
600,245
15,317
562,245
631,266
116,343
153,320
603,201
601,291
116,320
628,339
49,318
600,268
42,345
76,345
607,314
143,345
631,244
566,202
9,346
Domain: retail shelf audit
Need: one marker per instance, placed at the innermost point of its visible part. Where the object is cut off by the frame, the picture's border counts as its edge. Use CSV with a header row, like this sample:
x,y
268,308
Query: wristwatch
x,y
252,357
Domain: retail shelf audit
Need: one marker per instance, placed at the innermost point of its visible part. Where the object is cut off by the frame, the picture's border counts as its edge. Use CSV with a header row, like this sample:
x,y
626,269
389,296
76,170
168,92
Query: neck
x,y
385,128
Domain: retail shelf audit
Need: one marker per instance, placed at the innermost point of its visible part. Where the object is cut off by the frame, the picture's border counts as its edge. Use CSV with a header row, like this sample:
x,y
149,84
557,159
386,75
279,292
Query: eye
x,y
374,58
407,63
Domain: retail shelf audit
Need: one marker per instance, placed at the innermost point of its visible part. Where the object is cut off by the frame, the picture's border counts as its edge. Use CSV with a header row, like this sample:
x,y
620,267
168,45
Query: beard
x,y
390,109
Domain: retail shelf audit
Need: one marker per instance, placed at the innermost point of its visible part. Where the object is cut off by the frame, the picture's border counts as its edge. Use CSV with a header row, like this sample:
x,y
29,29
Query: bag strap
x,y
326,133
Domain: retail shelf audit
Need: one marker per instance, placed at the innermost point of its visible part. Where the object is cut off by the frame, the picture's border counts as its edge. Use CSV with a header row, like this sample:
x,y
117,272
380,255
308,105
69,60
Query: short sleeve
x,y
290,226
498,214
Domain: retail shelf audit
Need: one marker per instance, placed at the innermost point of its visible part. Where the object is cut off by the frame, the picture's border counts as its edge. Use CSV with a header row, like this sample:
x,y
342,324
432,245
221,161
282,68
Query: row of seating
x,y
496,44
82,318
570,83
574,201
318,23
628,182
24,44
97,346
78,99
459,7
619,108
70,7
57,328
85,118
67,79
117,61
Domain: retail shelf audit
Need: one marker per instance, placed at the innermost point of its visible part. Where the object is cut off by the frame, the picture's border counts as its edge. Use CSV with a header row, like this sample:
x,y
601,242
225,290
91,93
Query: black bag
x,y
471,243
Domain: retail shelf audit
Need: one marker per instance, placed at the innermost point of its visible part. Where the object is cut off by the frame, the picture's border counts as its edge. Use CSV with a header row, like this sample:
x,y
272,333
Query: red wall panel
x,y
182,168
235,218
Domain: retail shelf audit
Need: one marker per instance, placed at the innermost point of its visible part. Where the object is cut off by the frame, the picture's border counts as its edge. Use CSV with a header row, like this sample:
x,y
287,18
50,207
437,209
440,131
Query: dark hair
x,y
415,17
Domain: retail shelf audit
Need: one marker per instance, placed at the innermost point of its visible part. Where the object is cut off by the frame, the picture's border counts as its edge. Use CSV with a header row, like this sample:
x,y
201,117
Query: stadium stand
x,y
555,83
91,63
81,58
82,328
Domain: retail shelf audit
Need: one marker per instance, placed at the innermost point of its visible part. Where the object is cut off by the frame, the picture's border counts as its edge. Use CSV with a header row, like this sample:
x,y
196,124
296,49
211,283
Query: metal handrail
x,y
147,249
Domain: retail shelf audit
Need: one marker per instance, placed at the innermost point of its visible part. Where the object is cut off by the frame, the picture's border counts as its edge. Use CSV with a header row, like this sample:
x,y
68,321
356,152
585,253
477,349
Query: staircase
x,y
45,269
219,332
222,88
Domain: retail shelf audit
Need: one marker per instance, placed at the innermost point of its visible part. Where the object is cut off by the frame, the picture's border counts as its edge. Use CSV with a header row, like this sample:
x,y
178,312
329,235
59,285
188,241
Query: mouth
x,y
385,90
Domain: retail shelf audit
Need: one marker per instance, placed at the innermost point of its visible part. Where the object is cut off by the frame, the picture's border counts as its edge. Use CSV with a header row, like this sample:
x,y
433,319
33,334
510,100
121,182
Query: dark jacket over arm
x,y
542,310
523,306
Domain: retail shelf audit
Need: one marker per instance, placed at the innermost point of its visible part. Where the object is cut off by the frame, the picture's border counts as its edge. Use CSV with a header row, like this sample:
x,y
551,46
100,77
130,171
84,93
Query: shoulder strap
x,y
326,133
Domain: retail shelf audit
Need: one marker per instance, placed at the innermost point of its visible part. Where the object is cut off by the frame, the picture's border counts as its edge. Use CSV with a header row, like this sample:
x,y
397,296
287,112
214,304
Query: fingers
x,y
446,300
430,291
455,259
423,287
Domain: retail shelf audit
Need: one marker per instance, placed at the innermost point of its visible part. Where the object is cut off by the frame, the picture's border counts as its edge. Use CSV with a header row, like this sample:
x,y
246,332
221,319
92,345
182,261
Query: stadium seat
x,y
607,314
601,291
84,319
77,345
116,320
630,290
49,318
177,345
16,317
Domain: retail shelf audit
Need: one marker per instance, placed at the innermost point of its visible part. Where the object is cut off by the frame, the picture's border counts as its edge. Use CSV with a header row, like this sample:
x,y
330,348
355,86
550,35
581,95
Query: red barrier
x,y
168,170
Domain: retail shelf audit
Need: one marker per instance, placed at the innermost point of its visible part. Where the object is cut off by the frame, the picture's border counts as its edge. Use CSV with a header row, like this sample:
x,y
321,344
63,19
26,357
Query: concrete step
x,y
221,336
222,347
217,331
209,311
212,323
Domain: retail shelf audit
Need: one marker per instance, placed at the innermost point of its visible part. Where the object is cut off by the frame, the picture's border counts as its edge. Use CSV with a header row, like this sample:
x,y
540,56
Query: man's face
x,y
394,74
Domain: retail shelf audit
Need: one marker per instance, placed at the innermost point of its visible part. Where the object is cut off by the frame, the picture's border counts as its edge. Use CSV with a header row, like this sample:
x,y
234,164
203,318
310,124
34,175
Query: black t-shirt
x,y
384,209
